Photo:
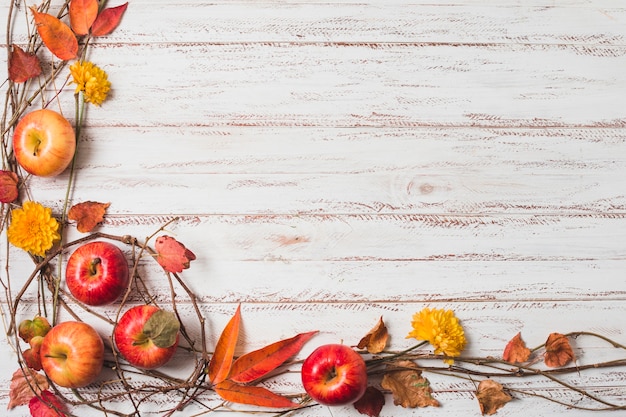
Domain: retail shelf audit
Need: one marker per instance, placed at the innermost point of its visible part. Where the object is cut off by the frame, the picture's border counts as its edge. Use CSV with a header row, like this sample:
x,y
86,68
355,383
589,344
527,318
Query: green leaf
x,y
162,328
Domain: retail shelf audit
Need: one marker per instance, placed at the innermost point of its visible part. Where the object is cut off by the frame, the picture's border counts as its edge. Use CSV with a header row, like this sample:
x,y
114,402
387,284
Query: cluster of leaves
x,y
61,40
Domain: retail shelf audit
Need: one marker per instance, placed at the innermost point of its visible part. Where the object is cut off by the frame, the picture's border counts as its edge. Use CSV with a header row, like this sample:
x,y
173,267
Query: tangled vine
x,y
54,55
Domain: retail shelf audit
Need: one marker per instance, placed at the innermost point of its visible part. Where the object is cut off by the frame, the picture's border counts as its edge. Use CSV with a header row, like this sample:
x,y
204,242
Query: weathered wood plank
x,y
274,259
352,85
364,170
510,22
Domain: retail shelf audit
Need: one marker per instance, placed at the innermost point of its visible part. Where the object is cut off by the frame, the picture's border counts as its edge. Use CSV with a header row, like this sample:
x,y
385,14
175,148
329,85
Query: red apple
x,y
334,374
147,336
72,354
44,143
97,273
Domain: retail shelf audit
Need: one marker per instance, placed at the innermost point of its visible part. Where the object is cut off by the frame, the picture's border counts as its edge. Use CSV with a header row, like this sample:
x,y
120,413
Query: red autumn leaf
x,y
516,350
371,403
107,20
24,384
558,351
8,186
23,66
375,340
87,215
82,15
46,406
222,359
254,365
491,396
252,395
56,35
172,255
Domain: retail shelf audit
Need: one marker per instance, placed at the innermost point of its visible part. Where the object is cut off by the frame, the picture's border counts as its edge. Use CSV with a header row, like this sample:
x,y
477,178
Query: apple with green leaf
x,y
44,143
147,336
72,354
334,374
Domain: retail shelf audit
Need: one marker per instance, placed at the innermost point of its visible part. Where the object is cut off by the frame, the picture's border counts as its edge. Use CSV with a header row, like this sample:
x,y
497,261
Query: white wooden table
x,y
334,162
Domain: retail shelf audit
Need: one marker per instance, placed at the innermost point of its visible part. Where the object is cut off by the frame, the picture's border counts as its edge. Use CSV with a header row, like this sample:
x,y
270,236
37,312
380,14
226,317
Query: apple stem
x,y
93,266
36,149
59,356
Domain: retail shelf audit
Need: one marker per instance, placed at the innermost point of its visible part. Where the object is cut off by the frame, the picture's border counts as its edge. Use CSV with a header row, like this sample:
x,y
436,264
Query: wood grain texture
x,y
334,162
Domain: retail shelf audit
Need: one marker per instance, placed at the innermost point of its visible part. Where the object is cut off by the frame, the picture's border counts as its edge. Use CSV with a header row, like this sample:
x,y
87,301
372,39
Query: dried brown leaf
x,y
409,388
491,396
375,340
516,350
87,215
558,351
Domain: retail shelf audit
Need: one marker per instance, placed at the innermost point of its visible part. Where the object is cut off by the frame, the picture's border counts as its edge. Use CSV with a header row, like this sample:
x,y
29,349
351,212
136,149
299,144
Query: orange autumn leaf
x,y
371,403
22,65
254,365
252,395
491,396
558,351
409,388
172,255
24,384
87,215
222,359
375,340
8,186
82,15
107,20
56,35
516,350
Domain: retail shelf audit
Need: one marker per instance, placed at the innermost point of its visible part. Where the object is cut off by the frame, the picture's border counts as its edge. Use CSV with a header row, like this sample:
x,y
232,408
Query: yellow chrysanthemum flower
x,y
91,80
441,329
33,228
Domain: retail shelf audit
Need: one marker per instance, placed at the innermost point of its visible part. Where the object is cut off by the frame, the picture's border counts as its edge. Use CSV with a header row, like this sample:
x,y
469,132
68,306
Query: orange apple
x,y
44,143
72,354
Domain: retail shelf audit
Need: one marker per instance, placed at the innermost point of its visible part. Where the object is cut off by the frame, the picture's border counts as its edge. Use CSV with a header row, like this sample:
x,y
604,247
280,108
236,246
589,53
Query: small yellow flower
x,y
91,80
33,228
441,329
